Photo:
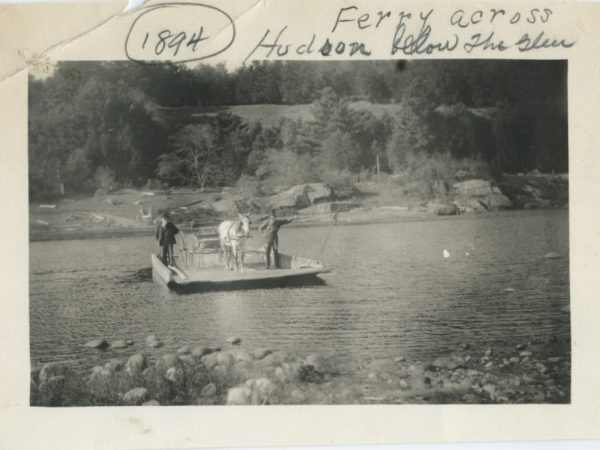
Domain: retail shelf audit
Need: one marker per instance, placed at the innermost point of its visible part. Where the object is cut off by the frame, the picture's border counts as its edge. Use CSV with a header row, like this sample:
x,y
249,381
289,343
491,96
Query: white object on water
x,y
553,255
446,253
467,254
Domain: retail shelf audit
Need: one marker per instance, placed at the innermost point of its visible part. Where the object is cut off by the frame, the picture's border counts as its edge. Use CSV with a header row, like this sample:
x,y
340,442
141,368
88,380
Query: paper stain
x,y
38,63
139,423
46,53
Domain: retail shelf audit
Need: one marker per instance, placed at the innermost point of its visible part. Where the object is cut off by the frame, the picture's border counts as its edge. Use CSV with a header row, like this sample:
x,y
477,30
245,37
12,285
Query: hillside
x,y
267,115
428,122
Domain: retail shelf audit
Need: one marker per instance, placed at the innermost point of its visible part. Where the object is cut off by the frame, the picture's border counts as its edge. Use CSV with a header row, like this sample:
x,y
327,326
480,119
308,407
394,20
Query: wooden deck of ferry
x,y
203,270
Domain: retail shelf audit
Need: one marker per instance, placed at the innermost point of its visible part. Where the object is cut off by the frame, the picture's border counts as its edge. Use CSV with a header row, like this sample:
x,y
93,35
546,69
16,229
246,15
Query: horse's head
x,y
244,220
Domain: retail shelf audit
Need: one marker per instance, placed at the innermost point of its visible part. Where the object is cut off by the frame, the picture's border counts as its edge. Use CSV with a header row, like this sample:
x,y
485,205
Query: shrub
x,y
154,184
432,170
339,151
248,186
284,169
105,179
78,170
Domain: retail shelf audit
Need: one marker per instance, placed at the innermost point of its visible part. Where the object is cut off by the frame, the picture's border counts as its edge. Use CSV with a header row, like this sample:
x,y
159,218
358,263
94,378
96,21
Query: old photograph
x,y
291,232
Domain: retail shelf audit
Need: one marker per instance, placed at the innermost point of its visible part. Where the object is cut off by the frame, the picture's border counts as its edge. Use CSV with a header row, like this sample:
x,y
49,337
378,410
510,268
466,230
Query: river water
x,y
392,292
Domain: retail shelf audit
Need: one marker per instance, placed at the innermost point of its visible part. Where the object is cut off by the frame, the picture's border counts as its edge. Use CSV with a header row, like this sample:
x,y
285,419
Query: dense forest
x,y
102,125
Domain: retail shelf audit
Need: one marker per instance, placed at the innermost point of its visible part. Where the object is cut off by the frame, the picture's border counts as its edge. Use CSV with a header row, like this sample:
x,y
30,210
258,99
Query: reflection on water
x,y
392,292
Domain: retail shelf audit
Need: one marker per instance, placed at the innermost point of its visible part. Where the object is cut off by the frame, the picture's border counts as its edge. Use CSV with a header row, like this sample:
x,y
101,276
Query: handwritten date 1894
x,y
168,40
179,32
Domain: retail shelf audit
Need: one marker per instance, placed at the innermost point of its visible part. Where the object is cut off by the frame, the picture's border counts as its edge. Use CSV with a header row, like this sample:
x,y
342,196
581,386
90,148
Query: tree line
x,y
102,124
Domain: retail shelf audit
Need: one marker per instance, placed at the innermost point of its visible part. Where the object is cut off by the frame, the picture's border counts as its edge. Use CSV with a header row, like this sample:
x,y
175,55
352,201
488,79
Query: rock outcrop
x,y
295,198
480,194
534,190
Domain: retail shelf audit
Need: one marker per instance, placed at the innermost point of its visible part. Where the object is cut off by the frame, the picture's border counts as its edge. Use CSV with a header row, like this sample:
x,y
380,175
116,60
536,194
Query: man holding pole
x,y
270,226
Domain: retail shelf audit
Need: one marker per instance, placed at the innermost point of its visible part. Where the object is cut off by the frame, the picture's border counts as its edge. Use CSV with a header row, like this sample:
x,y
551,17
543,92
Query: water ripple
x,y
391,292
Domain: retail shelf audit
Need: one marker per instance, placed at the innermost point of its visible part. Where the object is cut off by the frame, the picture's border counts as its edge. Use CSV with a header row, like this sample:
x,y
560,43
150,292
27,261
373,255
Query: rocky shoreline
x,y
532,372
118,214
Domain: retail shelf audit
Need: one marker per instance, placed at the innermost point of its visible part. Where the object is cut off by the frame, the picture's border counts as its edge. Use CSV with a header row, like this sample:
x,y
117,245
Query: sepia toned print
x,y
299,232
434,281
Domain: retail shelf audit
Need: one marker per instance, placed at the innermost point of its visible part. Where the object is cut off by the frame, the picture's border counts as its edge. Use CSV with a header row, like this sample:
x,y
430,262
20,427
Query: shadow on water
x,y
300,282
143,275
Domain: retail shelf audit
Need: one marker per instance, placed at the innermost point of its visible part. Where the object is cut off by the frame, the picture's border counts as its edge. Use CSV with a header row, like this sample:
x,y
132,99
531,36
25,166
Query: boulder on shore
x,y
299,197
446,210
153,341
113,365
534,190
239,396
232,206
225,359
260,353
233,340
97,343
135,396
200,351
241,355
496,202
170,367
209,360
136,364
486,194
256,391
294,198
51,370
475,188
318,192
119,344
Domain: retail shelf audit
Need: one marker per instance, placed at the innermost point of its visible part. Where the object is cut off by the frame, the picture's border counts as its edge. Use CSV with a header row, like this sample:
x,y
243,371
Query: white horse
x,y
233,235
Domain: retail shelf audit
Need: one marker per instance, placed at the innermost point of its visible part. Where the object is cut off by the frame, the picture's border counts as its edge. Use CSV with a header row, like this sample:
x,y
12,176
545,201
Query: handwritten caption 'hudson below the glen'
x,y
182,32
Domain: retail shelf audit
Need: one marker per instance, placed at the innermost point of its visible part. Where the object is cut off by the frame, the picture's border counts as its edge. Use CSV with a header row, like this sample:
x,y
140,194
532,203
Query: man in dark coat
x,y
271,226
165,234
